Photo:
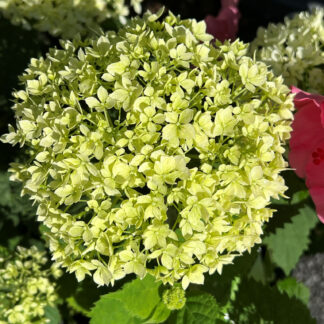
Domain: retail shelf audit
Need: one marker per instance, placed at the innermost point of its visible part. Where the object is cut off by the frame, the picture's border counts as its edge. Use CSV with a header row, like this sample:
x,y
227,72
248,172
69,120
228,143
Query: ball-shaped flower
x,y
151,150
174,298
294,49
65,18
25,286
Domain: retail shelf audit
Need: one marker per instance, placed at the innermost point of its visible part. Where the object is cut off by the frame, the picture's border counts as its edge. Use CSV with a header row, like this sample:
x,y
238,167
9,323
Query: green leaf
x,y
299,197
111,310
287,244
73,303
53,315
133,304
160,315
258,271
201,308
256,303
5,190
12,242
294,288
13,207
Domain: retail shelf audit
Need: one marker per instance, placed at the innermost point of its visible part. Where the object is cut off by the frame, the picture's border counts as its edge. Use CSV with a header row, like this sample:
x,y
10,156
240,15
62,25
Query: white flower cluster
x,y
151,150
295,50
65,18
25,287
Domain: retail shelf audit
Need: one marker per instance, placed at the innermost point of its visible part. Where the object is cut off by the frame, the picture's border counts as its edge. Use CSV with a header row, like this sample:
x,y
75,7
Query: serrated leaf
x,y
201,308
293,288
287,244
133,304
256,303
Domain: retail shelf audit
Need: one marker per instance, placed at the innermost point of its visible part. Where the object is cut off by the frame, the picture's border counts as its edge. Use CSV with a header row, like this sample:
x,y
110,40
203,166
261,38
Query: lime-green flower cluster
x,y
65,18
295,50
151,150
25,287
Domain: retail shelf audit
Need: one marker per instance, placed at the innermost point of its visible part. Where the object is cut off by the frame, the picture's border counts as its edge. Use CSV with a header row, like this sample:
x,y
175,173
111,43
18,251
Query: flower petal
x,y
315,167
318,199
303,99
225,24
307,133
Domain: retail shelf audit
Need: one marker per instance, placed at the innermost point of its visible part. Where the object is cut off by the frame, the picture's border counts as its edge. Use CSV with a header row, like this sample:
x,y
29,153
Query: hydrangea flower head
x,y
65,18
295,49
25,286
151,150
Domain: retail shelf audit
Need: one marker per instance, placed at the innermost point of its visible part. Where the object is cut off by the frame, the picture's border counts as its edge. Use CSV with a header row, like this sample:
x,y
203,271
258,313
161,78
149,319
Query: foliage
x,y
140,302
80,297
201,308
74,16
25,287
184,164
294,288
137,302
18,224
294,49
257,303
288,243
248,301
52,315
12,206
221,285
